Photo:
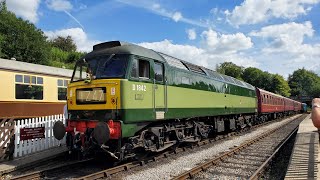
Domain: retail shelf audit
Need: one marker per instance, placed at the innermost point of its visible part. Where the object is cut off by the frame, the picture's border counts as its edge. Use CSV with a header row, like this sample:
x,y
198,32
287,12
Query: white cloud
x,y
226,43
199,56
27,9
63,6
288,38
78,35
177,16
59,5
192,35
284,48
256,11
156,8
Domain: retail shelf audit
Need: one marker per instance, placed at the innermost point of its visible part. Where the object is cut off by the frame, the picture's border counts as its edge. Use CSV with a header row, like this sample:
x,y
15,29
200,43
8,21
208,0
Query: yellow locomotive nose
x,y
99,94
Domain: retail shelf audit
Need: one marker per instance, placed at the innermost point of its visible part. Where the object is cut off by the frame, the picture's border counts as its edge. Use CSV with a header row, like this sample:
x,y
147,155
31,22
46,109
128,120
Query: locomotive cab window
x,y
101,67
140,69
158,72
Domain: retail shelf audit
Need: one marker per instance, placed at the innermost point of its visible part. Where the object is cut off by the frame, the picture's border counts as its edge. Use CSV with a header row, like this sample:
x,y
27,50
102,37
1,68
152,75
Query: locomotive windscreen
x,y
101,67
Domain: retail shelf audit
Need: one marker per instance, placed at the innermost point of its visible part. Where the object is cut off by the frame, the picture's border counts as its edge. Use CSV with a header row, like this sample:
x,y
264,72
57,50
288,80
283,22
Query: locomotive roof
x,y
13,65
267,92
119,47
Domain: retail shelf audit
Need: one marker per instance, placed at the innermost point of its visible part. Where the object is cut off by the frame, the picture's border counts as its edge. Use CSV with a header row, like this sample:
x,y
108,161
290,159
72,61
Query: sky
x,y
278,36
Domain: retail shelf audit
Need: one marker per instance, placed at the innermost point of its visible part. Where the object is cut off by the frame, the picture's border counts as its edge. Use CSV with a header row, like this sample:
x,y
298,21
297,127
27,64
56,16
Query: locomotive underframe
x,y
158,136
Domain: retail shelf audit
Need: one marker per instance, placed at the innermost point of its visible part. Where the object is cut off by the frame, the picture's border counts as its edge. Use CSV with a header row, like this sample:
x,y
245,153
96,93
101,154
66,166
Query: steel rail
x,y
40,174
260,170
216,160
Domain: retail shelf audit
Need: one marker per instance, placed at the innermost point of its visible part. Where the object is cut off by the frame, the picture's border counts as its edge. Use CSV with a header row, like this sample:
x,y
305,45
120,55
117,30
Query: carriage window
x,y
18,78
66,82
26,79
60,82
62,89
24,91
26,87
158,71
39,80
33,80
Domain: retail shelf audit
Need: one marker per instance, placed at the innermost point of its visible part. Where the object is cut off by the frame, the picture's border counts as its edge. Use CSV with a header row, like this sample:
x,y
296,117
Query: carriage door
x,y
159,90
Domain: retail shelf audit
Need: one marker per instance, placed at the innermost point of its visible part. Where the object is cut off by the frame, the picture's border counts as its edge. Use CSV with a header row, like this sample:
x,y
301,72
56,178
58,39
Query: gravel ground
x,y
174,167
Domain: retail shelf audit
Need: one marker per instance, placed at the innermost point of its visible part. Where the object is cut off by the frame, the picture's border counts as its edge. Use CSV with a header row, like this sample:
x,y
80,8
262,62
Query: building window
x,y
27,87
62,89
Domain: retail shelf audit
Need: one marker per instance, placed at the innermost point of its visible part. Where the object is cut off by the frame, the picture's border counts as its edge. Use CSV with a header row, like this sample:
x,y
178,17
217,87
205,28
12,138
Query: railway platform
x,y
31,159
305,156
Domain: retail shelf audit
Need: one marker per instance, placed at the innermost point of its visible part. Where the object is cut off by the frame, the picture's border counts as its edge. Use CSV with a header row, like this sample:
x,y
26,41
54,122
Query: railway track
x,y
82,170
57,171
246,161
110,173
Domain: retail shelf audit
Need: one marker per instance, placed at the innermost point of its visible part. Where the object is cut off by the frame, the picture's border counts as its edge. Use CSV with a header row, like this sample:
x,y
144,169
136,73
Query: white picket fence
x,y
25,147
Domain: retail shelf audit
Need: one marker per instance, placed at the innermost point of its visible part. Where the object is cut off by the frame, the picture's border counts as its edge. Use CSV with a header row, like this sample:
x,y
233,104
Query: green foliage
x,y
1,42
230,69
21,39
280,85
256,77
60,58
58,55
65,44
74,56
304,83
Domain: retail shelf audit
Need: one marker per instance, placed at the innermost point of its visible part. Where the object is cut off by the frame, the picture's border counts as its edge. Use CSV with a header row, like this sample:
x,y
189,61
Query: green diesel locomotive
x,y
124,99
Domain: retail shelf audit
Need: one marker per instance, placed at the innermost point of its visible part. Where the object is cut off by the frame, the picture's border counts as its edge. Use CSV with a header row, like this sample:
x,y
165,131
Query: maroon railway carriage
x,y
288,105
269,102
297,106
272,105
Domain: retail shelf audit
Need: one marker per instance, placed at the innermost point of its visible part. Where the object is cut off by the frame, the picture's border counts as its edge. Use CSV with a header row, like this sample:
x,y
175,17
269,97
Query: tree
x,y
280,85
252,76
65,44
74,56
304,83
1,42
230,69
21,39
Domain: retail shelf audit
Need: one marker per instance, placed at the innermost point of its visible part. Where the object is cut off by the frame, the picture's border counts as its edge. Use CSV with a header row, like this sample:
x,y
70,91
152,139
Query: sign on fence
x,y
31,133
36,134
